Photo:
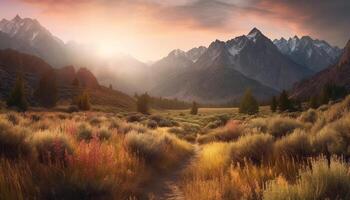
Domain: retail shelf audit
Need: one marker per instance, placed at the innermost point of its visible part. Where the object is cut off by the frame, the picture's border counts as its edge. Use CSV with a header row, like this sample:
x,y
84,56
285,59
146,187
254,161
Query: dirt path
x,y
165,186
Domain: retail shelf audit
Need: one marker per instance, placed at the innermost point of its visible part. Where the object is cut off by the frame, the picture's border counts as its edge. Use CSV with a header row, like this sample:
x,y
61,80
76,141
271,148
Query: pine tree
x,y
249,104
194,109
47,90
284,102
313,103
17,97
143,104
274,104
82,101
110,87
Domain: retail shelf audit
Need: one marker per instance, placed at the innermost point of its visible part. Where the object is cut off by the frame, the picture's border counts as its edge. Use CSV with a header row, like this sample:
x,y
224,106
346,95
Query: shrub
x,y
260,124
160,149
104,134
51,147
84,132
339,110
152,124
254,147
333,138
309,116
321,181
231,131
13,142
134,118
72,109
296,145
94,121
279,126
13,118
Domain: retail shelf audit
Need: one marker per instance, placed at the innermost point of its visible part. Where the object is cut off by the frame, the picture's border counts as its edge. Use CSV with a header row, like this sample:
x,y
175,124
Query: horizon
x,y
135,33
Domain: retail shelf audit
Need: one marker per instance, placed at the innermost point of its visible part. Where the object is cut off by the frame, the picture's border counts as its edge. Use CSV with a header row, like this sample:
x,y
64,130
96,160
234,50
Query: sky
x,y
150,29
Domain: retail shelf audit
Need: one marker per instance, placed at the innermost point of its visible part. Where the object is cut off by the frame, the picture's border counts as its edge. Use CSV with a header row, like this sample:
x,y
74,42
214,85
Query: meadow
x,y
171,154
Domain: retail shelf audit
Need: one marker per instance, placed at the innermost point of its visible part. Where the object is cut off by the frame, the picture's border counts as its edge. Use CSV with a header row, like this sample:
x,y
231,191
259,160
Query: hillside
x,y
337,74
33,68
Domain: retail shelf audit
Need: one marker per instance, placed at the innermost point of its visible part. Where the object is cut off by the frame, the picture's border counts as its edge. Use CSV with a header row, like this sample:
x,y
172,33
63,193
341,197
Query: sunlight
x,y
107,50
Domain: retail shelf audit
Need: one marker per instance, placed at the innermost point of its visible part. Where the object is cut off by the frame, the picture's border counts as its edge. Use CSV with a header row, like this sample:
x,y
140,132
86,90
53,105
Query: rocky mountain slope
x,y
226,69
312,53
337,74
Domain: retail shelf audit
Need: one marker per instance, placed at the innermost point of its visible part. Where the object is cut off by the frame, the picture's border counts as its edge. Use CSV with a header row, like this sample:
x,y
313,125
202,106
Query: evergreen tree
x,y
248,104
274,104
47,90
143,104
284,102
17,97
75,82
110,86
194,109
82,101
313,103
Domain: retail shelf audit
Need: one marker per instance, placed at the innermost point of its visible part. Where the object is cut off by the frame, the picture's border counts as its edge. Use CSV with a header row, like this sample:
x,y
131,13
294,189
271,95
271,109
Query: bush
x,y
333,138
260,124
158,148
279,126
152,124
13,142
254,147
84,132
296,145
309,116
134,118
104,134
72,109
230,132
51,147
321,181
339,110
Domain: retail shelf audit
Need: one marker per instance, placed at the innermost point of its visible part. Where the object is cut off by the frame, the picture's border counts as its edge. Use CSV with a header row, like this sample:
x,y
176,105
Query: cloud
x,y
326,19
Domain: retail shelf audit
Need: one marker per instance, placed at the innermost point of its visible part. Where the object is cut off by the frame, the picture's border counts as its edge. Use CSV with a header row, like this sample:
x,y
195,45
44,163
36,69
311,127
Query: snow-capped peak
x,y
17,18
253,34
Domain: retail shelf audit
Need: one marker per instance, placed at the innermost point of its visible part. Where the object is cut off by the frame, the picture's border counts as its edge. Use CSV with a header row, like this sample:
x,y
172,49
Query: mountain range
x,y
218,73
337,74
314,54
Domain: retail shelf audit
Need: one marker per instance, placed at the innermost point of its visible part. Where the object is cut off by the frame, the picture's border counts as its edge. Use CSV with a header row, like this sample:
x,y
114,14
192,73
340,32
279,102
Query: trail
x,y
165,186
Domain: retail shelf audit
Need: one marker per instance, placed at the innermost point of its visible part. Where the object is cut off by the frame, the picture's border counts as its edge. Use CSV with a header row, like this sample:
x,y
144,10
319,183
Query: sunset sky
x,y
149,29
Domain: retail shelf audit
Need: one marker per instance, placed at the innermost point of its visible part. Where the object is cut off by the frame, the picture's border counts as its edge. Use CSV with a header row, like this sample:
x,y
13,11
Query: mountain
x,y
226,69
312,53
29,36
337,74
33,68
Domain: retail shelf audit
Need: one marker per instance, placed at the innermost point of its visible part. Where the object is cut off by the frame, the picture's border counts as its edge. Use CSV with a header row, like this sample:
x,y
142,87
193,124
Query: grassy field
x,y
217,154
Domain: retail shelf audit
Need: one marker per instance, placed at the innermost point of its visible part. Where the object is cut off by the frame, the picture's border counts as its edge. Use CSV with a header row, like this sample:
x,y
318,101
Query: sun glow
x,y
107,50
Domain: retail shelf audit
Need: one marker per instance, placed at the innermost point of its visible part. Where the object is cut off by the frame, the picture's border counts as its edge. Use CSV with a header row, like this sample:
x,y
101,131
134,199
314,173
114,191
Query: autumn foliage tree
x,y
17,97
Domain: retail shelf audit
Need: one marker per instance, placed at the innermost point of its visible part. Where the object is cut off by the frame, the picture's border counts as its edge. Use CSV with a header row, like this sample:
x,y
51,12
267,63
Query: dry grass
x,y
231,131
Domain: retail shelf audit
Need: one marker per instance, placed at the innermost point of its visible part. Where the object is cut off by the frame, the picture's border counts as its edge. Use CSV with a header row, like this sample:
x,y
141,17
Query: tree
x,y
17,97
284,102
143,103
274,104
47,90
75,82
332,92
110,86
194,109
82,101
249,104
313,102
